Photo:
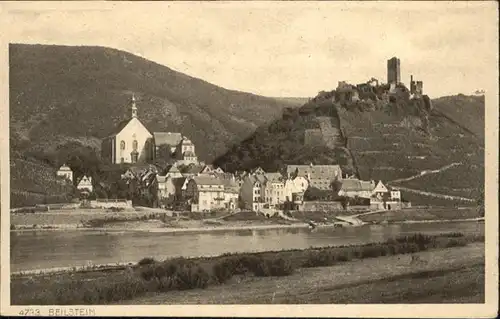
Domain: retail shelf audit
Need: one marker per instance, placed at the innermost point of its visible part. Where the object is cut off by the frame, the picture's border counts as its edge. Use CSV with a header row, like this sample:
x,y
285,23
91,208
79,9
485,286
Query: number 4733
x,y
29,312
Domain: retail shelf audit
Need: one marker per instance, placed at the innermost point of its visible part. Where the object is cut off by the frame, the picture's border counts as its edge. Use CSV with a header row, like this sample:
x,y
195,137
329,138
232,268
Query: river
x,y
48,249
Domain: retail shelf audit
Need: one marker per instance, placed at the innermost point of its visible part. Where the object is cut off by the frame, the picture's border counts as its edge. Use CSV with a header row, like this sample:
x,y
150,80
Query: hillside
x,y
387,141
63,93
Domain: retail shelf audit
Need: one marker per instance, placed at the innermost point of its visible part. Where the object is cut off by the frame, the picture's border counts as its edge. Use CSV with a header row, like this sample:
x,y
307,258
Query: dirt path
x,y
423,173
351,282
416,191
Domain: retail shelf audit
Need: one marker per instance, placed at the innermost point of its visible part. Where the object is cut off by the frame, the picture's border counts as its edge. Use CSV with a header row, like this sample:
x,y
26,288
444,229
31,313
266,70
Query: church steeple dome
x,y
134,107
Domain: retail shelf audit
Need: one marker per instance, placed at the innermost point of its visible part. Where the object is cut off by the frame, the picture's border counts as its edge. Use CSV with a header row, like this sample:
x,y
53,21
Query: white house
x,y
65,172
208,193
297,186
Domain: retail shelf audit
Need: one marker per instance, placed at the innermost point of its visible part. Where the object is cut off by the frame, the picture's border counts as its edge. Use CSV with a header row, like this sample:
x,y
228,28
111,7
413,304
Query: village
x,y
184,183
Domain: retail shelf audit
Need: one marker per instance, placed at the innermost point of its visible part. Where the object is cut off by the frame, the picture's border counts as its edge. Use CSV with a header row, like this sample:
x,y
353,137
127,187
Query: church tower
x,y
134,107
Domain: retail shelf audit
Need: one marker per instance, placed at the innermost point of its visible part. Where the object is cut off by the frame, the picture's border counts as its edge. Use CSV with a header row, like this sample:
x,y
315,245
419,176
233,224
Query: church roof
x,y
119,127
169,138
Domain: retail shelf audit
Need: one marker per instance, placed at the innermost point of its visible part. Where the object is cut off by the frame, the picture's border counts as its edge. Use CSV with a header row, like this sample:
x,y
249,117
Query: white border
x,y
489,309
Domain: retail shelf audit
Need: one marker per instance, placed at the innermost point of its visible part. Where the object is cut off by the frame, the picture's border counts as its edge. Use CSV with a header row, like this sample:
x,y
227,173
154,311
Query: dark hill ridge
x,y
59,93
374,140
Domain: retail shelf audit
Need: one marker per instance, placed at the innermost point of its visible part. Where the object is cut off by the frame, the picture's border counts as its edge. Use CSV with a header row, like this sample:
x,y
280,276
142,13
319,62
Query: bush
x,y
456,242
223,271
273,267
319,259
191,276
146,261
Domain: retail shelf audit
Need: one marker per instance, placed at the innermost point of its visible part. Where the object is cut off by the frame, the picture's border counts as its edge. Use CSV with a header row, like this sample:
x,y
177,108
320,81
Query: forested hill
x,y
65,99
67,93
375,140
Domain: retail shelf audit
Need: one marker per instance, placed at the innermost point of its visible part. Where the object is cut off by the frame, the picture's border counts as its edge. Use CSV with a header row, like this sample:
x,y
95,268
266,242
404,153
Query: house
x,y
251,192
185,152
129,143
382,192
356,188
85,183
295,189
318,176
167,192
270,190
273,189
207,193
231,185
65,172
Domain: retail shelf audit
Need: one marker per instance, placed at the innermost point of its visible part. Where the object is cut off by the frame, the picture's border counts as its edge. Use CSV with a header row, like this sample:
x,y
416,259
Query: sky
x,y
287,49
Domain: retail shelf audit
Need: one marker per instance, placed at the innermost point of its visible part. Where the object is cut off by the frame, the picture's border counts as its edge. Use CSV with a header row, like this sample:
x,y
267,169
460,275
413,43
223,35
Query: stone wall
x,y
320,206
111,203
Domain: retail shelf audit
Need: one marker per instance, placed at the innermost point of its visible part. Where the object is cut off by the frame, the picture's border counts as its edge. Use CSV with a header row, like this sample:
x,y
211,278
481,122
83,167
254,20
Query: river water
x,y
47,249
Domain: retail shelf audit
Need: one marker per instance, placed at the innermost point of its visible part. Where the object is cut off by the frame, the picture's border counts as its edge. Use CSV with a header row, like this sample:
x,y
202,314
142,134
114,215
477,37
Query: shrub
x,y
191,276
456,242
273,267
223,271
319,259
146,261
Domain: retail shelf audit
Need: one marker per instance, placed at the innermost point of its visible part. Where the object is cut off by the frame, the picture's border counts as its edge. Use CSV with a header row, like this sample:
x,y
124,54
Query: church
x,y
131,142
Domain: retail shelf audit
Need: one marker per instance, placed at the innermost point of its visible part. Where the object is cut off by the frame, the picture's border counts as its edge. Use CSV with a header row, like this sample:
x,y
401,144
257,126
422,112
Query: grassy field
x,y
421,214
443,276
149,277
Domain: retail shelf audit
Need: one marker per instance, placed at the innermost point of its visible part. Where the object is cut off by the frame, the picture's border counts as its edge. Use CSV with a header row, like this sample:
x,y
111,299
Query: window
x,y
122,160
122,145
134,145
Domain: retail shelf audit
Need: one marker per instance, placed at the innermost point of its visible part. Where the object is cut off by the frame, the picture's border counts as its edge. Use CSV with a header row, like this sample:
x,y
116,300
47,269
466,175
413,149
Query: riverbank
x,y
143,221
130,282
450,275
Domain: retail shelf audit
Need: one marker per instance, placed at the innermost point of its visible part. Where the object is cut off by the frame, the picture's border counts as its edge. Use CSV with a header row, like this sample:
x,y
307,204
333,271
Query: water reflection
x,y
46,249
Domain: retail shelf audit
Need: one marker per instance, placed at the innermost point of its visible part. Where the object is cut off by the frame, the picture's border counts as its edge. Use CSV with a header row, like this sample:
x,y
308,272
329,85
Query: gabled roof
x,y
207,180
169,138
64,168
186,141
352,185
172,169
81,179
315,171
274,177
119,128
194,169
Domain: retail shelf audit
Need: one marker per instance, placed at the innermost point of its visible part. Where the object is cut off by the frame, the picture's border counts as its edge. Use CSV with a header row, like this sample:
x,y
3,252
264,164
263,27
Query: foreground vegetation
x,y
150,276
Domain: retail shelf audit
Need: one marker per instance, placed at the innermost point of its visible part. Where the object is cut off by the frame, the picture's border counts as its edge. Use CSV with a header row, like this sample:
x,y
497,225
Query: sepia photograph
x,y
249,153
